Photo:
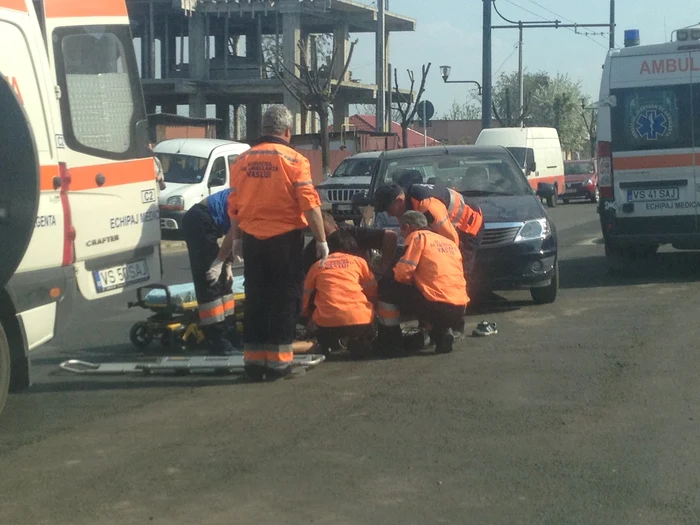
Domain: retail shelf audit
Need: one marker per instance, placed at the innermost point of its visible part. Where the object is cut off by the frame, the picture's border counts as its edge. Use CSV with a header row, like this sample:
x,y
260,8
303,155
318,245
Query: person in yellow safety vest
x,y
428,283
272,201
339,297
444,209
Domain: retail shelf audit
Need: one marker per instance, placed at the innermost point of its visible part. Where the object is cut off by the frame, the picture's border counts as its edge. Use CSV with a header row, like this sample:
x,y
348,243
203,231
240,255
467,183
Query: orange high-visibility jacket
x,y
271,188
343,291
434,265
445,209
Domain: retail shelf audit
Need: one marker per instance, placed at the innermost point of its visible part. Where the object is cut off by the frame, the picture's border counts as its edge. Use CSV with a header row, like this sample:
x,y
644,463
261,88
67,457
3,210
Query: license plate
x,y
344,207
121,276
653,194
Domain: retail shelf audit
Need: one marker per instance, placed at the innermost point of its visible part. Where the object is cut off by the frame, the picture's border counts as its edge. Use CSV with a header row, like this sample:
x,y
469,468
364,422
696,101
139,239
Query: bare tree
x,y
590,115
407,107
314,88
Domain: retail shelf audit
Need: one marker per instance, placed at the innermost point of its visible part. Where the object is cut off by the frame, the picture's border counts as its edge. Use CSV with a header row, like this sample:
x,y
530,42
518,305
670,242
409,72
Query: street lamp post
x,y
445,72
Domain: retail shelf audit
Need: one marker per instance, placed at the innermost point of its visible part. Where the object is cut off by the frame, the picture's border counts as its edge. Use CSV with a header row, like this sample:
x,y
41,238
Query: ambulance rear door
x,y
652,142
113,195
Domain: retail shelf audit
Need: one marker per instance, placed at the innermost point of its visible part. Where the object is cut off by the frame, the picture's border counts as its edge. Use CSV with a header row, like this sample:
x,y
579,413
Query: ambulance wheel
x,y
140,335
4,368
552,201
547,294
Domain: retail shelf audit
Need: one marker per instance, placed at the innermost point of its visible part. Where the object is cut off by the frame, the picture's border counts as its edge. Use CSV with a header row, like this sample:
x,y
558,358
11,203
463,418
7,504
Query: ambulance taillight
x,y
605,170
68,229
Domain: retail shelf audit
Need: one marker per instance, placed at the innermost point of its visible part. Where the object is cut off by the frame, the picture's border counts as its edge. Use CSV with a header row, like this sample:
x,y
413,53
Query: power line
x,y
515,48
587,33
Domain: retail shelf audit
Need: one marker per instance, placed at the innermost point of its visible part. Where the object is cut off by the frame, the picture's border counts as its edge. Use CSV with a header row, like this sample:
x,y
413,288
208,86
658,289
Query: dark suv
x,y
519,247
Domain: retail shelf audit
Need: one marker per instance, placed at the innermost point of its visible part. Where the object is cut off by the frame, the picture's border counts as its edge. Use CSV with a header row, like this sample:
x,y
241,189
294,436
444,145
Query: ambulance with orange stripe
x,y
649,147
71,65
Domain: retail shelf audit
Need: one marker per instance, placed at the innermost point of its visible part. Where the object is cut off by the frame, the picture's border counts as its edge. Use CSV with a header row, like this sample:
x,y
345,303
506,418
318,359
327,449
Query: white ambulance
x,y
649,147
72,67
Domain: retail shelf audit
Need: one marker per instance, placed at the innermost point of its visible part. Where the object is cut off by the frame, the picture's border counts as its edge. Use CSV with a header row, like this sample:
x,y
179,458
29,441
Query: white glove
x,y
322,251
214,271
228,272
236,249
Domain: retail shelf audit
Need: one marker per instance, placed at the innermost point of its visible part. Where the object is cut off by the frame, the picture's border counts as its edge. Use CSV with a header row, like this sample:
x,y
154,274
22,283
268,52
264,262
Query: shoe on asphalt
x,y
416,341
255,373
484,328
445,342
272,374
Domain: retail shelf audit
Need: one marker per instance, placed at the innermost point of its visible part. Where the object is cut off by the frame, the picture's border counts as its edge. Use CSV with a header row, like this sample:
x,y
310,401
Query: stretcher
x,y
175,316
232,364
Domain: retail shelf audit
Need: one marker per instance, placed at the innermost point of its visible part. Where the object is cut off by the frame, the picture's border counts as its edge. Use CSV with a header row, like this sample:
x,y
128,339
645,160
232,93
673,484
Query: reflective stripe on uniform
x,y
211,312
458,211
254,355
229,304
279,356
406,261
304,183
388,314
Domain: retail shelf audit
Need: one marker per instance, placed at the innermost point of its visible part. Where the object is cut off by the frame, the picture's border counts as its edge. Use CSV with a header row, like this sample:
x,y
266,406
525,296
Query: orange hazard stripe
x,y
216,311
115,174
654,161
84,8
230,305
17,5
280,357
258,355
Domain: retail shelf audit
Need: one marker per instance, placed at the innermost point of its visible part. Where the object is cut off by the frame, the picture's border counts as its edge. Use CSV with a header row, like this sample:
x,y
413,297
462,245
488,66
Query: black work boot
x,y
444,342
255,373
389,341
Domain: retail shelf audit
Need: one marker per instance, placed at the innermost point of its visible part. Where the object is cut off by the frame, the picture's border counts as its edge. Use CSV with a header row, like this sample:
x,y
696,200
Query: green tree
x,y
466,110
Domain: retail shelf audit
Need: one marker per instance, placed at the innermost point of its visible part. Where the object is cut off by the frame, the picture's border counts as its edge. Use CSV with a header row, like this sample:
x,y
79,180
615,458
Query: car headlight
x,y
176,202
588,182
536,229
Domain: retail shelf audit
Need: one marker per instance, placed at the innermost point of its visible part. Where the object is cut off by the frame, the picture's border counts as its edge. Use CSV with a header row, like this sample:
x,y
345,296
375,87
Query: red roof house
x,y
369,123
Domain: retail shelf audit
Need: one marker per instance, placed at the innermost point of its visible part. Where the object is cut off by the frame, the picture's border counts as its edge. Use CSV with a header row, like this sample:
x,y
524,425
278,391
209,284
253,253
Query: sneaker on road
x,y
484,328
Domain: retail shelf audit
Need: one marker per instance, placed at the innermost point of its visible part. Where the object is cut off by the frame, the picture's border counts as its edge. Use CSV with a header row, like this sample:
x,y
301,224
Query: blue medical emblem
x,y
652,124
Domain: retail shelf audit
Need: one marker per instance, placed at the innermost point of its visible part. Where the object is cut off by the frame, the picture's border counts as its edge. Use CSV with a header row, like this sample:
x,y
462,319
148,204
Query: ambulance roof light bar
x,y
688,33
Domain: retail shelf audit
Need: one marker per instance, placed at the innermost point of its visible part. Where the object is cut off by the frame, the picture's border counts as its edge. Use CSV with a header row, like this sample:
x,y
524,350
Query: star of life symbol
x,y
652,124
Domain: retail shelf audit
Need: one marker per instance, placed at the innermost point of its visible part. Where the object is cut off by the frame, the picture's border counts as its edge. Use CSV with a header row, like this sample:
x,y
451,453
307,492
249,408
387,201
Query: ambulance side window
x,y
101,95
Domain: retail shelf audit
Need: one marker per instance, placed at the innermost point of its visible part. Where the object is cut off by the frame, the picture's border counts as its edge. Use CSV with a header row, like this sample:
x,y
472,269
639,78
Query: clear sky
x,y
449,32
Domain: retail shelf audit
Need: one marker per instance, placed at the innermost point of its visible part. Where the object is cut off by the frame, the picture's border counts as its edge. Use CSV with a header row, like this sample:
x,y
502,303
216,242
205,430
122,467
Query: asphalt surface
x,y
580,412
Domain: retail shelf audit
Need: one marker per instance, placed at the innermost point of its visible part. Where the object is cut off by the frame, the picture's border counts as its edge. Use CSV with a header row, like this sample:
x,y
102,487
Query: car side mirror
x,y
217,179
532,168
360,200
545,190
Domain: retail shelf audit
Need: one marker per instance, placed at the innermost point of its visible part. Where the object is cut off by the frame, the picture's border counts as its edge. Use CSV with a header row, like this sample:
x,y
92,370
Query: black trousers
x,y
359,338
274,280
411,301
201,235
468,246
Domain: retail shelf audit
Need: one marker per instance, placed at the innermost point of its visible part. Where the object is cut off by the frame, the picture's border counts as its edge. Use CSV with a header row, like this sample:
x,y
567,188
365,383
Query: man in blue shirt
x,y
202,226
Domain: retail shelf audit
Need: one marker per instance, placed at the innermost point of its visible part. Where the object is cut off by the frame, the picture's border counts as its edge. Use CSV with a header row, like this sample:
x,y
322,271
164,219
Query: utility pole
x,y
390,89
486,68
521,83
612,24
381,67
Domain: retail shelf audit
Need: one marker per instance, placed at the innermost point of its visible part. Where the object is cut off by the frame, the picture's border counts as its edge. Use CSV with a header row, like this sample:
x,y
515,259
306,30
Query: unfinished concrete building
x,y
216,52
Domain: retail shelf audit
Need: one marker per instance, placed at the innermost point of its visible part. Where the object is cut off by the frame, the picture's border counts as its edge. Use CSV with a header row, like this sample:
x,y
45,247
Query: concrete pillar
x,y
198,105
170,108
150,106
198,64
236,131
291,34
253,120
341,114
223,127
341,38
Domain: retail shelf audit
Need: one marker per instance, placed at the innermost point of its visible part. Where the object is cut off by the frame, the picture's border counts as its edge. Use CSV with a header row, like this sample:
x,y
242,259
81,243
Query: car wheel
x,y
547,294
4,368
596,196
552,201
140,335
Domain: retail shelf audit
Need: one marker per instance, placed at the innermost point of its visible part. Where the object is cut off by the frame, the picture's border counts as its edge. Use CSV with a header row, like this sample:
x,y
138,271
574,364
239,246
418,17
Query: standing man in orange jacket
x,y
428,282
272,200
444,209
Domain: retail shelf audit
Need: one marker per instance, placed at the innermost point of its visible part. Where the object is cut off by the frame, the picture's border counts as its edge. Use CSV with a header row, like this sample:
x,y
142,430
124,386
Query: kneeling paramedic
x,y
272,200
339,296
428,283
444,209
202,226
366,239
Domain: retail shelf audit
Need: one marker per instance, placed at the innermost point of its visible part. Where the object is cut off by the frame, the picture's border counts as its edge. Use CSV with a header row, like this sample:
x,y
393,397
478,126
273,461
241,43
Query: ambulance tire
x,y
552,201
140,335
547,294
5,371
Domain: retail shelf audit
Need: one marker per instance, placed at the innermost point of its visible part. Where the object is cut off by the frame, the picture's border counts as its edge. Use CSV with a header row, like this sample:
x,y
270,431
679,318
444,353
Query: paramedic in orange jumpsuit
x,y
428,282
339,297
444,209
272,201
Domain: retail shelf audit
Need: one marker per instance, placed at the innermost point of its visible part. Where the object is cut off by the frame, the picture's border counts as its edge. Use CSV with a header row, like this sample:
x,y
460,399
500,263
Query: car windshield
x,y
355,168
579,168
183,169
469,174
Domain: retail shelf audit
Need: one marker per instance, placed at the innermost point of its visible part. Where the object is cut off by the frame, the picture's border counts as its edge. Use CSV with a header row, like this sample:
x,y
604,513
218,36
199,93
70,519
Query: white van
x,y
194,169
73,70
536,150
648,145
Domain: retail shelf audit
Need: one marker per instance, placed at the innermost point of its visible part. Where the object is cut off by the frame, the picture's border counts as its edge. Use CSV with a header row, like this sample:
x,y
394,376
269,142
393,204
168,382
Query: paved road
x,y
580,412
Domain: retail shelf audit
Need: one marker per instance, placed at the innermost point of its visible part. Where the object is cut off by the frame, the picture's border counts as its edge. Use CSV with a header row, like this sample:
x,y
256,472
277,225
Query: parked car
x,y
581,180
193,169
519,247
353,176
